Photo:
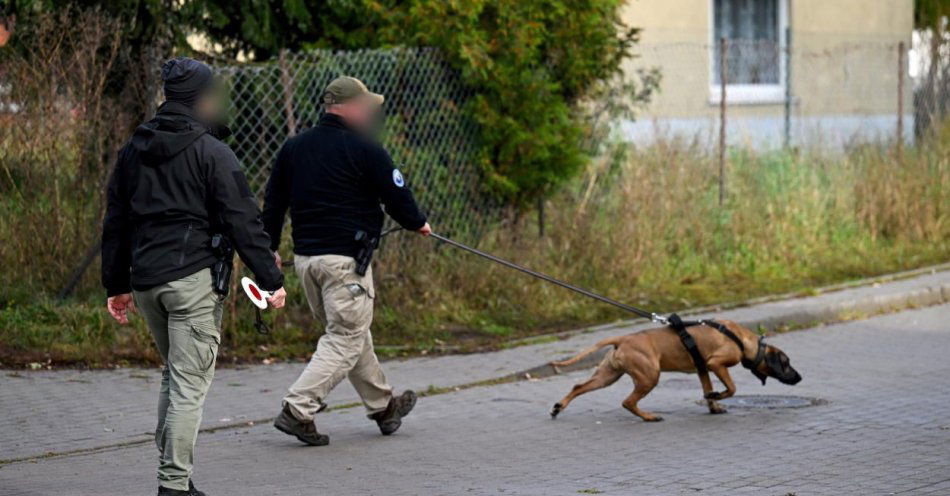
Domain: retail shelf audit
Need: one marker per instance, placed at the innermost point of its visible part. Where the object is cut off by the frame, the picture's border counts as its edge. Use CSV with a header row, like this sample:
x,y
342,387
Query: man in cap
x,y
333,178
175,186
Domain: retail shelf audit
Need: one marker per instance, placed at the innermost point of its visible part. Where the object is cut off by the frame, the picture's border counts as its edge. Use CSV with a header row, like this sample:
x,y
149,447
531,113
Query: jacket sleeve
x,y
392,188
237,208
117,232
277,198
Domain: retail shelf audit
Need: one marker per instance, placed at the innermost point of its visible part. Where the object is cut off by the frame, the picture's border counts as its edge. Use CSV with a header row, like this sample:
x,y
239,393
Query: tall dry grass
x,y
649,230
645,228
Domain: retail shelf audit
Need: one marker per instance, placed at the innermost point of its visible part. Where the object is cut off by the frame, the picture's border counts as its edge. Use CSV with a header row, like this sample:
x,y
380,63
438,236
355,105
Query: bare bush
x,y
57,141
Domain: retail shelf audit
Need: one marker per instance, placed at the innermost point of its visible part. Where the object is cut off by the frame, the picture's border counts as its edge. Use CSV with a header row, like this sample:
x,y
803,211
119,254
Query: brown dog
x,y
645,354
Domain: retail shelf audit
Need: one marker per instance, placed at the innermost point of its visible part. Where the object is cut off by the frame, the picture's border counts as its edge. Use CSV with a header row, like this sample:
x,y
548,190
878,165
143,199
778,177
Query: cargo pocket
x,y
200,356
356,290
350,306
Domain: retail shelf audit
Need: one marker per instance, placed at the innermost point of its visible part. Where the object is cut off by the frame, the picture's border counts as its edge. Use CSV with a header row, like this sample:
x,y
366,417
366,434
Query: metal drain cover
x,y
769,401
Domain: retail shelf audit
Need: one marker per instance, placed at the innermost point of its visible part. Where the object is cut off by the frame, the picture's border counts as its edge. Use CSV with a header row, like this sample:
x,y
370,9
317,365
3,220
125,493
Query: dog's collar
x,y
759,356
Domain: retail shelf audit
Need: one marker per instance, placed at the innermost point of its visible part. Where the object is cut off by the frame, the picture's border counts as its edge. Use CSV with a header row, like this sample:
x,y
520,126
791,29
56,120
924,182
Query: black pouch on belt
x,y
221,270
364,255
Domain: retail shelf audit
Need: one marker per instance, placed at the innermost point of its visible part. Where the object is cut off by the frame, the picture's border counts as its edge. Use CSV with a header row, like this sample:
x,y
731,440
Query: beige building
x,y
832,65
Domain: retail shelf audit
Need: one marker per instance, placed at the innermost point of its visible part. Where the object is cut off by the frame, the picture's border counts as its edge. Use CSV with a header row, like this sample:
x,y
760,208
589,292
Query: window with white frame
x,y
754,34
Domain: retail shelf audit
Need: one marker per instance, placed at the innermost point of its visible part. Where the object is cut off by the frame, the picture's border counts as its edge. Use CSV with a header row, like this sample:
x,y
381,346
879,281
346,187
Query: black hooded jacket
x,y
175,185
334,179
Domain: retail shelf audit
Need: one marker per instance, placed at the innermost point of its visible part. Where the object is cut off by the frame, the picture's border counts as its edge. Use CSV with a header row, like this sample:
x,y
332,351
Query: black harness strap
x,y
725,331
679,325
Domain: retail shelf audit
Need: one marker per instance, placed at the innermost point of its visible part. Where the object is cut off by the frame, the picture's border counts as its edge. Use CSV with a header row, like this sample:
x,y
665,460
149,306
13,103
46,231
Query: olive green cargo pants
x,y
184,317
344,301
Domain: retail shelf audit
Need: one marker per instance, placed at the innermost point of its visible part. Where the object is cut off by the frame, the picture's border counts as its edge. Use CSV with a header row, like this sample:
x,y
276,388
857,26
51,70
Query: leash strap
x,y
673,321
533,273
259,323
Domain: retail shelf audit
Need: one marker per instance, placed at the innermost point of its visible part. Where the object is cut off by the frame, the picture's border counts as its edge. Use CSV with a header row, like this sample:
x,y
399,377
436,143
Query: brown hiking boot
x,y
390,419
306,432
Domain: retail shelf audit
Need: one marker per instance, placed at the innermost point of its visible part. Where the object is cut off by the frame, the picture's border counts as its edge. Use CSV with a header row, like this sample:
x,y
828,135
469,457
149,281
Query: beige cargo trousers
x,y
344,301
184,317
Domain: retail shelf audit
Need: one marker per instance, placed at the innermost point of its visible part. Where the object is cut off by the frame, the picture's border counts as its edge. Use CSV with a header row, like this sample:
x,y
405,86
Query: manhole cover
x,y
769,401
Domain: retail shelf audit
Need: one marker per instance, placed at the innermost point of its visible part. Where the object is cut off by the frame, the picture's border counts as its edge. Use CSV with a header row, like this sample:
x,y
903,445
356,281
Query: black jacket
x,y
333,180
174,185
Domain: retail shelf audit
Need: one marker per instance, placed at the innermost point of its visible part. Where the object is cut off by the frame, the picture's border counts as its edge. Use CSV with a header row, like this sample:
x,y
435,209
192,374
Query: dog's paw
x,y
653,418
556,409
716,410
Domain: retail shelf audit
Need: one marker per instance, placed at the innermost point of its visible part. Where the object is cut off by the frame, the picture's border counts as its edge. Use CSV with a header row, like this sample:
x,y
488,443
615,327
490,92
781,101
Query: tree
x,y
529,62
151,30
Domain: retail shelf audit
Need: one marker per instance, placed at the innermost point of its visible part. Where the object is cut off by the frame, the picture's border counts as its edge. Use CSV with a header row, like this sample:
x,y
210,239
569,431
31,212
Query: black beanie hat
x,y
185,79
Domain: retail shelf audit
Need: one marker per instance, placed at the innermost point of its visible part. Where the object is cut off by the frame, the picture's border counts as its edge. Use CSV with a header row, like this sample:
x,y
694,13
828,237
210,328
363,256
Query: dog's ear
x,y
773,362
777,362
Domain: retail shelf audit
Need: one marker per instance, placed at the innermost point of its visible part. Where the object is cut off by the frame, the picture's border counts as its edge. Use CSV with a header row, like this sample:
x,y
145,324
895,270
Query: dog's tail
x,y
612,341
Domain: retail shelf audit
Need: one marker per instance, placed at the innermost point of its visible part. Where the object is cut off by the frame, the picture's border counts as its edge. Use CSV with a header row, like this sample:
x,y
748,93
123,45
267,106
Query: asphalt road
x,y
881,427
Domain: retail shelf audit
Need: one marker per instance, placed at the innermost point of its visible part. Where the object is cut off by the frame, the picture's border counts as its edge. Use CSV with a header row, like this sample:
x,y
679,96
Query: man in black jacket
x,y
175,185
333,178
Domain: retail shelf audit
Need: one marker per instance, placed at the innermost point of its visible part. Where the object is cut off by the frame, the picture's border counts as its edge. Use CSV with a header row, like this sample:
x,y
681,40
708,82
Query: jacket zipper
x,y
184,245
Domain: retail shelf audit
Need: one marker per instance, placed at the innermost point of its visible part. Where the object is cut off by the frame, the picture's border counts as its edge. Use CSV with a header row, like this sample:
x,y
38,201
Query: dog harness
x,y
679,326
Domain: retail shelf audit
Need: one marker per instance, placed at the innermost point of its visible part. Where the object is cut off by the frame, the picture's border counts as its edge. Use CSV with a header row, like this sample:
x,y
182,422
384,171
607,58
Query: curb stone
x,y
443,374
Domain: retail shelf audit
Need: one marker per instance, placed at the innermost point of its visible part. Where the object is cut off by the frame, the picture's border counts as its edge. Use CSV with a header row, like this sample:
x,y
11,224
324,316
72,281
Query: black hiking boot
x,y
192,491
306,432
390,419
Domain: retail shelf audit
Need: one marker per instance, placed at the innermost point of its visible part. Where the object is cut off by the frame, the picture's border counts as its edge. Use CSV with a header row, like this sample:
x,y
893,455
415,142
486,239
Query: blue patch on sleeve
x,y
398,179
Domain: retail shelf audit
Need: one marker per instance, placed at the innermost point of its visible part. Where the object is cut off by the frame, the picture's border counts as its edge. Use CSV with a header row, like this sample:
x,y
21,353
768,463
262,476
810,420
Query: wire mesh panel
x,y
427,131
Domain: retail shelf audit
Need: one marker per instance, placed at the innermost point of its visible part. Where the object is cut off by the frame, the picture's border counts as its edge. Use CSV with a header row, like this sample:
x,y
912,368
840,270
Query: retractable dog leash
x,y
659,319
673,321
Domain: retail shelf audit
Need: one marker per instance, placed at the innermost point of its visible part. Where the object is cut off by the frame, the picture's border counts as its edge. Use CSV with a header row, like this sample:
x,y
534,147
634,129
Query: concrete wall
x,y
844,72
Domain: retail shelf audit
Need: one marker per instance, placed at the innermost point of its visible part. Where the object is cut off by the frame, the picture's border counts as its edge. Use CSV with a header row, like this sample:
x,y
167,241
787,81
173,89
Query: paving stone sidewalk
x,y
883,429
67,410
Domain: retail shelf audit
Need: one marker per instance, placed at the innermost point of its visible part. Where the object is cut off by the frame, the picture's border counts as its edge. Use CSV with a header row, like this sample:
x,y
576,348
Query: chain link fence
x,y
820,91
427,131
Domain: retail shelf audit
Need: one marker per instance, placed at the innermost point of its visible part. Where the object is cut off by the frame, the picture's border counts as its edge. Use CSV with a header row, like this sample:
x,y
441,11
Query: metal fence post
x,y
723,67
787,138
900,102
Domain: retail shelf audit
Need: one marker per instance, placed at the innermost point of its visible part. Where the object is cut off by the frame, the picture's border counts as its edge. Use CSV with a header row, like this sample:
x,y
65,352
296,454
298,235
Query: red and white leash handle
x,y
257,295
259,298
